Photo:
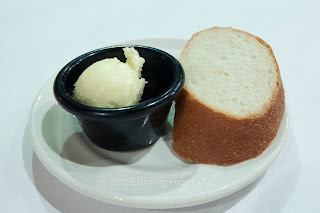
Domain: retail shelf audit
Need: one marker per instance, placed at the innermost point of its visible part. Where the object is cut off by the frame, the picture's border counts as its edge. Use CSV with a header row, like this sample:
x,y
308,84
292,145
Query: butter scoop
x,y
110,83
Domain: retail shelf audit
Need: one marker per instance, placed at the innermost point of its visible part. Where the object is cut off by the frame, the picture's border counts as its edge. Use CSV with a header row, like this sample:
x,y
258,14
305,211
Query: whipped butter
x,y
110,83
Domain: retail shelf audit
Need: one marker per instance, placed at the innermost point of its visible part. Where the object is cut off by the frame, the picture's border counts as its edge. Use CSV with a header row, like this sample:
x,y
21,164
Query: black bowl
x,y
126,128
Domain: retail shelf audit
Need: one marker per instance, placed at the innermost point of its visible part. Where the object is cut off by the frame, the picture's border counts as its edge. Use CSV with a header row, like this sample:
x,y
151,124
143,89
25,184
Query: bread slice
x,y
232,103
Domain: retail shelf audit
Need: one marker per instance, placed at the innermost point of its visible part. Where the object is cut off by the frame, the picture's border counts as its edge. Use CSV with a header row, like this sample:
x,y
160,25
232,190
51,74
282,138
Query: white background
x,y
37,38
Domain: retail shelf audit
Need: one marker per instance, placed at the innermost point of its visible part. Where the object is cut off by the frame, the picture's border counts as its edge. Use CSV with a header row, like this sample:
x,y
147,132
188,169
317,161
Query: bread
x,y
232,103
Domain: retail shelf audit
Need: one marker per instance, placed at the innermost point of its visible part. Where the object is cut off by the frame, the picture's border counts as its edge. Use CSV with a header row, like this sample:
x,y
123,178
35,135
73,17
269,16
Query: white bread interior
x,y
230,71
233,101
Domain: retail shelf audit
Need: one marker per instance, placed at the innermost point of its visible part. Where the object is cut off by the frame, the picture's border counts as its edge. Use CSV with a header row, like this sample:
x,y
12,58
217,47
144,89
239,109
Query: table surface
x,y
38,37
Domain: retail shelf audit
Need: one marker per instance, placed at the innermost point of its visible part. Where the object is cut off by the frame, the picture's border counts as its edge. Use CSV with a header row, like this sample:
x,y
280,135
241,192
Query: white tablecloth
x,y
37,38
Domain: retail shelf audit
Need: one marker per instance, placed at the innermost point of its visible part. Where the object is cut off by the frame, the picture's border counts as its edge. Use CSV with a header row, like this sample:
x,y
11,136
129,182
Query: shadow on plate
x,y
78,149
27,154
65,138
167,137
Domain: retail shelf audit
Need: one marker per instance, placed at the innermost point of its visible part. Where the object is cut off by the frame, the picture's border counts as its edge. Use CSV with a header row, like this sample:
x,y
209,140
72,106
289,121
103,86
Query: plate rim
x,y
133,201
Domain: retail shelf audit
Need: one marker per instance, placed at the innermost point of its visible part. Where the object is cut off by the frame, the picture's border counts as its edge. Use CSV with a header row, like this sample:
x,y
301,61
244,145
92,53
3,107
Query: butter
x,y
110,83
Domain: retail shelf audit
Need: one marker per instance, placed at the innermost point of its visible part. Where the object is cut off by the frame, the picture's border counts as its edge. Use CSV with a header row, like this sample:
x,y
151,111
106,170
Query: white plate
x,y
150,178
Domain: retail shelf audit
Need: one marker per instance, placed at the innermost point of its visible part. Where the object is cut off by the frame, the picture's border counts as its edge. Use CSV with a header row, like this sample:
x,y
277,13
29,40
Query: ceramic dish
x,y
153,177
126,128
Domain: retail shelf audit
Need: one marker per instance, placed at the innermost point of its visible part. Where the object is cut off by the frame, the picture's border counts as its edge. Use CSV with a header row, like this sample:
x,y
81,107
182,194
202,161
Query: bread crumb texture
x,y
233,71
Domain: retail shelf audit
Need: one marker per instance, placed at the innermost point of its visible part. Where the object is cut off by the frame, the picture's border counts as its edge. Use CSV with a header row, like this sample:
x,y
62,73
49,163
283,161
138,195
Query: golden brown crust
x,y
203,135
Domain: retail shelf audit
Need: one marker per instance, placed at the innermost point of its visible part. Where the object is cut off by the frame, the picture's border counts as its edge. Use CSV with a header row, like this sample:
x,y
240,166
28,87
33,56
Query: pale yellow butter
x,y
110,83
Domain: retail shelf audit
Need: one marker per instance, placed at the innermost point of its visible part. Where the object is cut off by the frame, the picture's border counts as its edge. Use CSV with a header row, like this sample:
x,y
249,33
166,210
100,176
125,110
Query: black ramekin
x,y
126,128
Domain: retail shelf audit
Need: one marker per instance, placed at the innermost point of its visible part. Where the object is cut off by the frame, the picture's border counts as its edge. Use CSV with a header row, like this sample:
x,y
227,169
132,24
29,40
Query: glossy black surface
x,y
125,128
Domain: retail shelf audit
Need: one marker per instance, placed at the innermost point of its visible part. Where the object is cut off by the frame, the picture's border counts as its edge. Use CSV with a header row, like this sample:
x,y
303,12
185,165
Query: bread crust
x,y
204,135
